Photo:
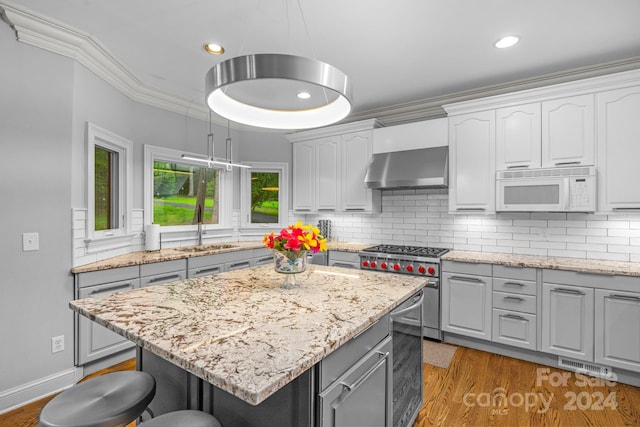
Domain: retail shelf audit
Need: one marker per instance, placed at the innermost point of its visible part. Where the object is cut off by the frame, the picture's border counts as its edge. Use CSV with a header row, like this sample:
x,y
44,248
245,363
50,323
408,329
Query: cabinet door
x,y
327,169
94,340
514,328
567,321
357,149
616,330
618,149
361,397
302,177
518,137
466,304
568,131
472,162
162,278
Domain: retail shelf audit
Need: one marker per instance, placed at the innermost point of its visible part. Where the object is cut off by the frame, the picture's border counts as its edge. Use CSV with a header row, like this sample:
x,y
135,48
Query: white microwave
x,y
547,190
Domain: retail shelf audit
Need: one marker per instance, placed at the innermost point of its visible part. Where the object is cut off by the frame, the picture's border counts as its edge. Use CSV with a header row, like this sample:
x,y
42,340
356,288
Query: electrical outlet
x,y
30,242
57,344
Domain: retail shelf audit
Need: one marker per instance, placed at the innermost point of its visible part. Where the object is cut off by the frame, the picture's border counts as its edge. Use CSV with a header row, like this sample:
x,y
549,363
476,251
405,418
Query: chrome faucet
x,y
199,217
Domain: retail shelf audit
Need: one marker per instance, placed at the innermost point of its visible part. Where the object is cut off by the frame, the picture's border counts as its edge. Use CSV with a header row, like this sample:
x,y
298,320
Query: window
x,y
180,193
264,195
108,186
185,194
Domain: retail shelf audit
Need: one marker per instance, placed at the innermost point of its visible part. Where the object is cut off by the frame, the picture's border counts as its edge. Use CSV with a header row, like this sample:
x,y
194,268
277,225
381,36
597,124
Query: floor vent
x,y
585,367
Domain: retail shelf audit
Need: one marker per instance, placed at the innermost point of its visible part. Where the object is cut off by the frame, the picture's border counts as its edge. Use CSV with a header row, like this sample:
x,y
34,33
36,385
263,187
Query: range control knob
x,y
396,267
383,266
431,270
409,268
421,269
373,264
365,263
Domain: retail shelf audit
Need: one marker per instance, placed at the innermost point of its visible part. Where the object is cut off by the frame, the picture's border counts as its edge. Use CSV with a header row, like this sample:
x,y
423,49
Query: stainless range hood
x,y
421,168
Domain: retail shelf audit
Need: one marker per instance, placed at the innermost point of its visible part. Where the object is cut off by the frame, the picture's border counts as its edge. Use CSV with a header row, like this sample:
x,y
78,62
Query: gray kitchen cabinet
x,y
344,259
567,320
472,162
356,151
93,341
518,137
466,299
302,176
618,150
514,306
262,256
162,272
617,322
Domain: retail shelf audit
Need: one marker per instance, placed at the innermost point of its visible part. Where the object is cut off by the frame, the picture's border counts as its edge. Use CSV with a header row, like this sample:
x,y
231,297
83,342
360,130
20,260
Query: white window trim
x,y
153,153
109,140
249,228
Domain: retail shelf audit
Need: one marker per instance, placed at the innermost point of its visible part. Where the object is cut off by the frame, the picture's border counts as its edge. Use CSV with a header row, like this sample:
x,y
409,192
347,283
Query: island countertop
x,y
241,331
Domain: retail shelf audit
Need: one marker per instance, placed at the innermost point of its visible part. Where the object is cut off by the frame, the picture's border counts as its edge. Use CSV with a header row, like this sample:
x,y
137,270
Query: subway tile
x,y
466,247
468,234
529,223
565,238
482,242
499,249
482,228
609,224
624,249
511,229
587,231
514,243
566,253
548,245
623,233
574,224
610,256
503,236
530,251
608,240
585,247
548,215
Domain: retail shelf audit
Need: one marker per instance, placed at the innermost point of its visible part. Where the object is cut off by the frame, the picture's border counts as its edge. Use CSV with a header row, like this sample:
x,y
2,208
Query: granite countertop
x,y
148,257
241,331
554,263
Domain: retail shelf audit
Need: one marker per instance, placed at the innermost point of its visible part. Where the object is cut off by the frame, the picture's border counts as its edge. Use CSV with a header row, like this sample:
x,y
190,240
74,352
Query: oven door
x,y
548,195
407,360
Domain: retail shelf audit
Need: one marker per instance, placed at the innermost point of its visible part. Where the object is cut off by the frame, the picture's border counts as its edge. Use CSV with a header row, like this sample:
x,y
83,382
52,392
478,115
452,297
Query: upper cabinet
x,y
518,143
472,162
568,131
329,166
555,133
618,149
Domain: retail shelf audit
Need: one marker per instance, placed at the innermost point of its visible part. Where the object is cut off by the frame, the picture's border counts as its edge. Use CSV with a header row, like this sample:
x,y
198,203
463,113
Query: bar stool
x,y
114,399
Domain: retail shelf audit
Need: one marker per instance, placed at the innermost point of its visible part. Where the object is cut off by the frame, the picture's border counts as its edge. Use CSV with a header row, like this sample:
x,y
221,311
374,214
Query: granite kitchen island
x,y
244,344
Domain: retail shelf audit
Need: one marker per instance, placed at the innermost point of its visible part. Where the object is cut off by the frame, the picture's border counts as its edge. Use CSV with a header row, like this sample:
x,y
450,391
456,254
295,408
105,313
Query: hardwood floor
x,y
484,389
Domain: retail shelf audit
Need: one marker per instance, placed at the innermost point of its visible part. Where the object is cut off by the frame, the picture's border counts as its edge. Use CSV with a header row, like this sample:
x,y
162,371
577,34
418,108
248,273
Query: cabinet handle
x,y
514,284
115,288
344,265
357,383
265,259
513,317
208,270
517,166
624,297
626,209
514,298
466,279
567,291
354,209
568,163
471,209
239,264
157,279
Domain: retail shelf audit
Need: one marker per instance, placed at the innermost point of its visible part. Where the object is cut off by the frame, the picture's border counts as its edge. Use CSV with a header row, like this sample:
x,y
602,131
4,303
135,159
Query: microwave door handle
x,y
567,195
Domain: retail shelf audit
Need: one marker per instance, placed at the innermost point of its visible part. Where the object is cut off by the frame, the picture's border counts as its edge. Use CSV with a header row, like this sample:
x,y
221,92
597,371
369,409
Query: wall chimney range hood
x,y
420,168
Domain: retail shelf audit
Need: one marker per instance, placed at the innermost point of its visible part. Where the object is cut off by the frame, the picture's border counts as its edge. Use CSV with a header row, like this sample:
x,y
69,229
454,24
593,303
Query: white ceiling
x,y
395,52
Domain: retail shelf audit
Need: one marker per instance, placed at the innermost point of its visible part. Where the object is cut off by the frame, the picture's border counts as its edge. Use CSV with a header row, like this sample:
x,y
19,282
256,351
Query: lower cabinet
x,y
344,259
162,272
617,322
466,294
567,321
362,395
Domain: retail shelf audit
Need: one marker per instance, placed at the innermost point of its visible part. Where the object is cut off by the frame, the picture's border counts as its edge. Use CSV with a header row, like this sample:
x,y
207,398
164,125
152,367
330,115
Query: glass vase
x,y
289,263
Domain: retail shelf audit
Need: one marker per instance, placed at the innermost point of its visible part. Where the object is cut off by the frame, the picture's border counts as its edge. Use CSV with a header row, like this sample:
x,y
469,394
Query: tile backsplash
x,y
420,217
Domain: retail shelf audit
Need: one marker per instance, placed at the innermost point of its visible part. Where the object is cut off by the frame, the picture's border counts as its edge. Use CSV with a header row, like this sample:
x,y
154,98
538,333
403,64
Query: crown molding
x,y
45,33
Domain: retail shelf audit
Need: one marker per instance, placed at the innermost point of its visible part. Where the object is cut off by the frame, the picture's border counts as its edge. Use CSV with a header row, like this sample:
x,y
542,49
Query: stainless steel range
x,y
414,260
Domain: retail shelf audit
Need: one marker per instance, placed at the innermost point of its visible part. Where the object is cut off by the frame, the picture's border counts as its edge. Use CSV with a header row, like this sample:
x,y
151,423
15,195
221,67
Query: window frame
x,y
153,153
245,196
97,136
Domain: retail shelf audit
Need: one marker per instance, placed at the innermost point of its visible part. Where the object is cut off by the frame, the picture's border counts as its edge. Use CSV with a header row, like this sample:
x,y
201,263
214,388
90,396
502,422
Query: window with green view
x,y
184,194
106,189
265,196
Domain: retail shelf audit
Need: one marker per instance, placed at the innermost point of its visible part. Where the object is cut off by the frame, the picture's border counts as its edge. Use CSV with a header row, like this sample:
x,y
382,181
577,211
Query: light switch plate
x,y
30,242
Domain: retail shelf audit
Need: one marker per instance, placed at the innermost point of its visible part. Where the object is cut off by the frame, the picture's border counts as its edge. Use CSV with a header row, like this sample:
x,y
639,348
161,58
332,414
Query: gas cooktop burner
x,y
408,250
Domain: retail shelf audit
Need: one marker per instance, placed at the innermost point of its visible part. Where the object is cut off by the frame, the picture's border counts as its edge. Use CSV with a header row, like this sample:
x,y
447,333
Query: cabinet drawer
x,y
515,302
163,267
205,271
158,279
515,286
520,273
107,276
343,358
223,258
516,329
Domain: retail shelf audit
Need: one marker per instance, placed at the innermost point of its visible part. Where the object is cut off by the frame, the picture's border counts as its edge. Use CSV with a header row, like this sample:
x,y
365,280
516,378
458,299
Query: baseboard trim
x,y
35,390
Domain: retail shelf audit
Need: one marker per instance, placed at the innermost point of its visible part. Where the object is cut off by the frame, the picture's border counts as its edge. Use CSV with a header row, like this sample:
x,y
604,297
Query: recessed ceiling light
x,y
304,95
213,48
507,41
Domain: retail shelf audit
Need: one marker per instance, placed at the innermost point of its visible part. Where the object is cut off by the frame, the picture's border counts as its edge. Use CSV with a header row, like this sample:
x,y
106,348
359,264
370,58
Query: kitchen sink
x,y
202,248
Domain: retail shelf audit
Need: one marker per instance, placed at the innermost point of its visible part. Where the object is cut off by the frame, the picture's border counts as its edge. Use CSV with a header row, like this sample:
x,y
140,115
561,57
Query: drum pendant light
x,y
278,91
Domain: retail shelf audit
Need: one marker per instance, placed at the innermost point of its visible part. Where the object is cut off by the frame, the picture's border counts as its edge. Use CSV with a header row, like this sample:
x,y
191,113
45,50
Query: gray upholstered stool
x,y
109,400
183,419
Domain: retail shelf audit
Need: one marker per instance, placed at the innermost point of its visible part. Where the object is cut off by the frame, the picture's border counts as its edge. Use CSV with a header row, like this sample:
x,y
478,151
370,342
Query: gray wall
x,y
45,102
